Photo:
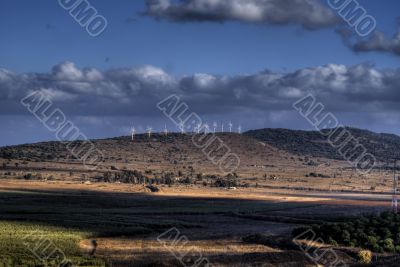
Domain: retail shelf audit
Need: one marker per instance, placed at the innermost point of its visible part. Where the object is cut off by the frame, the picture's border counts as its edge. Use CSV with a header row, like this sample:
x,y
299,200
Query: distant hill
x,y
169,151
255,147
312,143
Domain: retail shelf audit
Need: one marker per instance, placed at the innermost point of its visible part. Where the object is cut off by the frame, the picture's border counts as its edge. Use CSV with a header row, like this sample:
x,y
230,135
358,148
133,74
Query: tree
x,y
345,237
385,233
168,179
388,245
28,176
332,242
372,242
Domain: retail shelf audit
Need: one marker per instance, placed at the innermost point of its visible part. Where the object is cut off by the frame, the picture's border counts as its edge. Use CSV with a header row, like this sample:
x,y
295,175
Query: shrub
x,y
220,183
186,180
332,242
168,179
365,256
153,188
28,176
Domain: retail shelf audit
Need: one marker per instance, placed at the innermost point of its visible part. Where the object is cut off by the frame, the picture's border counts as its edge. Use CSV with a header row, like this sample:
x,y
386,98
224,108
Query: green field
x,y
28,244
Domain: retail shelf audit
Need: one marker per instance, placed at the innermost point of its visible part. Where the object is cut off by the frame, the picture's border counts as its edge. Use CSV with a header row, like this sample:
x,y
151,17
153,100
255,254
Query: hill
x,y
312,143
274,158
264,147
167,152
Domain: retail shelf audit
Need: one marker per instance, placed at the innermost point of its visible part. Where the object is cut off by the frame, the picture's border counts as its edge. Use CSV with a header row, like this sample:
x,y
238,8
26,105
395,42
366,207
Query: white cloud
x,y
67,71
137,90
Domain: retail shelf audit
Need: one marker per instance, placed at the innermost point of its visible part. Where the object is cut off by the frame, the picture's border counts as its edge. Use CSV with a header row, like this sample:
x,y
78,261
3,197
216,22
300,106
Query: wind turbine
x,y
149,129
222,127
198,127
206,128
133,132
230,126
182,127
215,125
239,129
165,130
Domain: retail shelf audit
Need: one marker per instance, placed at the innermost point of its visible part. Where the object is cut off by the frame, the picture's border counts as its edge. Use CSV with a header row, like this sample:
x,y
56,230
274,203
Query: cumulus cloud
x,y
102,102
310,14
377,42
135,91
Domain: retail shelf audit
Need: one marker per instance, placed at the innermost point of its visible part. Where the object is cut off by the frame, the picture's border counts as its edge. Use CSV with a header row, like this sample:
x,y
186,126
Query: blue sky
x,y
38,35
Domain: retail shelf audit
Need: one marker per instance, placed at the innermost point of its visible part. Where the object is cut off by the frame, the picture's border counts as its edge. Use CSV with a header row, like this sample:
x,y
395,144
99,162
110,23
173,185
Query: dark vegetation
x,y
314,174
168,178
46,151
378,233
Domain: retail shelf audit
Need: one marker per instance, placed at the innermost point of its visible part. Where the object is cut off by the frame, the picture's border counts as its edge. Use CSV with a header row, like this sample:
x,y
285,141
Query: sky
x,y
239,61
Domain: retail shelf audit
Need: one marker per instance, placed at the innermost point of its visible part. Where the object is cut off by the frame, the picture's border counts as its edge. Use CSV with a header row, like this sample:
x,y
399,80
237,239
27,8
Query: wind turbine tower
x,y
182,127
133,133
149,130
206,128
230,127
215,125
240,129
198,127
165,130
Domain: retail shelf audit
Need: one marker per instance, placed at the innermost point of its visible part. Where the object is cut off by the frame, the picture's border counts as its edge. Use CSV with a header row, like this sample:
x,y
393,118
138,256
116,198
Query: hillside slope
x,y
172,151
270,157
311,143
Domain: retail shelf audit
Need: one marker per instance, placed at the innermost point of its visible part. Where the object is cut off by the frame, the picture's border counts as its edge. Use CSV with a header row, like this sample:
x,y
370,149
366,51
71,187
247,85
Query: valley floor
x,y
126,221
